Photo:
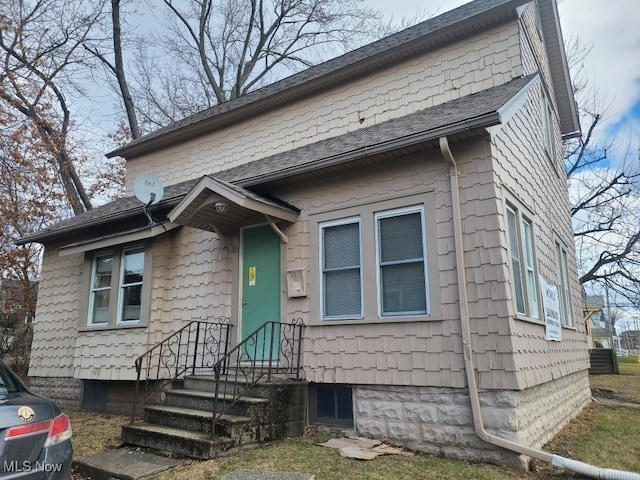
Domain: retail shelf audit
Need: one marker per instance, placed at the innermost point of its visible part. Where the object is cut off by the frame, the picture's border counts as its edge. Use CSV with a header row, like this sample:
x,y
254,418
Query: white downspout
x,y
556,460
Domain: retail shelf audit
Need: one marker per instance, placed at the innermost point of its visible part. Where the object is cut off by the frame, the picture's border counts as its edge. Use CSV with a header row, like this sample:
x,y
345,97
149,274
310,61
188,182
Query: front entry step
x,y
182,424
238,428
175,440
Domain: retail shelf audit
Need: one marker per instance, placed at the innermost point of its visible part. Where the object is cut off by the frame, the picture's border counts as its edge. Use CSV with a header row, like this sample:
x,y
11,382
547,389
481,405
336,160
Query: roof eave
x,y
562,86
48,237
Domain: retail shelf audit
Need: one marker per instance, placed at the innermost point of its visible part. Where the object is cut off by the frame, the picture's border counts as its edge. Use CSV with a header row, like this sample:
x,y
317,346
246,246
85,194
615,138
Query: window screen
x,y
341,272
402,276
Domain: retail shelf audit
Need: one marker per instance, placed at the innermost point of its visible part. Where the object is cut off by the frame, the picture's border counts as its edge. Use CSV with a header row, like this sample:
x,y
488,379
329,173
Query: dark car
x,y
35,436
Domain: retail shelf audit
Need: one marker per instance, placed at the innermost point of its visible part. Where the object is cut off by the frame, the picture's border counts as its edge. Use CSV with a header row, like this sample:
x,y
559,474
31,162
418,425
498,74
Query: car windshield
x,y
8,381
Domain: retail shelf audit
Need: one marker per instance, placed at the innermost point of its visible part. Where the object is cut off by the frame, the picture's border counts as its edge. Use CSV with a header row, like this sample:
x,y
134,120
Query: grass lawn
x,y
625,386
604,434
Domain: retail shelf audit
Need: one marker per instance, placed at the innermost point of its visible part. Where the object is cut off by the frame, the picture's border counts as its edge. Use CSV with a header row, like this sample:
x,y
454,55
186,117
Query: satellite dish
x,y
148,189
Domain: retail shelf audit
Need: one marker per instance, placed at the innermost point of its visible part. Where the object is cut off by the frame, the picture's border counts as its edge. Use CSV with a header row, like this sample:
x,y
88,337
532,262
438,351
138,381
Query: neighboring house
x,y
630,339
412,193
595,321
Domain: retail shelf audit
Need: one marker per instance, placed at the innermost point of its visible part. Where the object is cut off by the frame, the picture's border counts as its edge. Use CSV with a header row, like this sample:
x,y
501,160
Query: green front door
x,y
260,290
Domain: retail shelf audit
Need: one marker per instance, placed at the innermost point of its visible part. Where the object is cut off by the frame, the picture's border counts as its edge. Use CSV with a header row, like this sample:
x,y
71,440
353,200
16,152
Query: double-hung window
x,y
523,267
372,263
102,271
117,287
341,269
402,275
562,283
131,275
546,114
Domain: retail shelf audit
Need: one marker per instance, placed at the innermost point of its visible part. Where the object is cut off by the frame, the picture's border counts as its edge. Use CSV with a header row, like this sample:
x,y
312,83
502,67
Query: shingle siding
x,y
425,81
393,365
527,173
56,326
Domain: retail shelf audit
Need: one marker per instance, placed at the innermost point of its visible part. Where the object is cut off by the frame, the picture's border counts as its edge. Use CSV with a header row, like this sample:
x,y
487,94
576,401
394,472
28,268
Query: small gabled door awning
x,y
221,207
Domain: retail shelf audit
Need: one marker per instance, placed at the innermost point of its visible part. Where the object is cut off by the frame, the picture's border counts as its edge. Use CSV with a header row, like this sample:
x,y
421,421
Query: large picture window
x,y
523,266
401,262
117,287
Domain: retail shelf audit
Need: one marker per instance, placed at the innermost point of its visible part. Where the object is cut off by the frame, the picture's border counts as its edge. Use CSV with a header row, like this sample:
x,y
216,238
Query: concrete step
x,y
123,464
232,383
234,426
252,407
190,444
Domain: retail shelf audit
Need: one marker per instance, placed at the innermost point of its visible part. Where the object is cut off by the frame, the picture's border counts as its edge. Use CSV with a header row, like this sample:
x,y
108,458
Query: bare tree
x,y
117,66
40,42
239,43
605,195
29,199
220,50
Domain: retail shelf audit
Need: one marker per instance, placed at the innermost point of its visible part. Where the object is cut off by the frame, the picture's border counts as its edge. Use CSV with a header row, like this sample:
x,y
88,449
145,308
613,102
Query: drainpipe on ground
x,y
582,468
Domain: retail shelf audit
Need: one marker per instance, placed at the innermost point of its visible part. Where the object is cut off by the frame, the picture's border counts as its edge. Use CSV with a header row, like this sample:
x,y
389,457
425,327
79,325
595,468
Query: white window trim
x,y
366,213
85,321
122,285
391,214
321,228
530,272
531,291
92,290
548,138
560,253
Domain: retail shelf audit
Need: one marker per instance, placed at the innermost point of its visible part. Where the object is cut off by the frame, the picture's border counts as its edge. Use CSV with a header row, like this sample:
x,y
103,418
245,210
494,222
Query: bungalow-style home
x,y
404,204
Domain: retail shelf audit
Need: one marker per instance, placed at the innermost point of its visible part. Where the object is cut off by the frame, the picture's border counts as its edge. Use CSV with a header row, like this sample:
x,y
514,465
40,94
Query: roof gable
x,y
459,23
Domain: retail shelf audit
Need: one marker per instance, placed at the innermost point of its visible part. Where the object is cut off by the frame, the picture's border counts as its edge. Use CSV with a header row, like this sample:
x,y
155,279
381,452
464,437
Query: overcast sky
x,y
610,28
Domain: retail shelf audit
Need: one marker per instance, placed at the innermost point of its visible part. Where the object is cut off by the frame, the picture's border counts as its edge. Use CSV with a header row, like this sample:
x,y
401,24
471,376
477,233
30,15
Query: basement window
x,y
331,404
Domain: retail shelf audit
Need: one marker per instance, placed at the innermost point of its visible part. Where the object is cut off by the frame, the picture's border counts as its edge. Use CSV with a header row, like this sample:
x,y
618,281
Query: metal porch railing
x,y
273,349
196,348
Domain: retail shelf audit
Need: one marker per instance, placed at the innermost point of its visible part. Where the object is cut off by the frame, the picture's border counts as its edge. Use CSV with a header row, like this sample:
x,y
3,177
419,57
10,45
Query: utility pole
x,y
609,319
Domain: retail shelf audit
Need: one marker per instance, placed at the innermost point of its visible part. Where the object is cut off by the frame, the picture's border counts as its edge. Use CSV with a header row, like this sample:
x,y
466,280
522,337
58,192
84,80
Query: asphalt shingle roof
x,y
357,62
444,119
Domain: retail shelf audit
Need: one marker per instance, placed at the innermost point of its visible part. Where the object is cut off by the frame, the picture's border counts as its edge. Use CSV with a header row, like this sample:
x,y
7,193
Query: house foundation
x,y
439,421
107,396
66,392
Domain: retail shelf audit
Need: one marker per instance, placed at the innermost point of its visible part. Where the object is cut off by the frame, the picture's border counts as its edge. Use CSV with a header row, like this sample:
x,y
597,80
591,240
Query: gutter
x,y
98,222
582,468
482,121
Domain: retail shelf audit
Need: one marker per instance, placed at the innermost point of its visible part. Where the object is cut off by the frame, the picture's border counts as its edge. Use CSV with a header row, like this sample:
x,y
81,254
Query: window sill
x,y
111,327
369,321
535,321
541,322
